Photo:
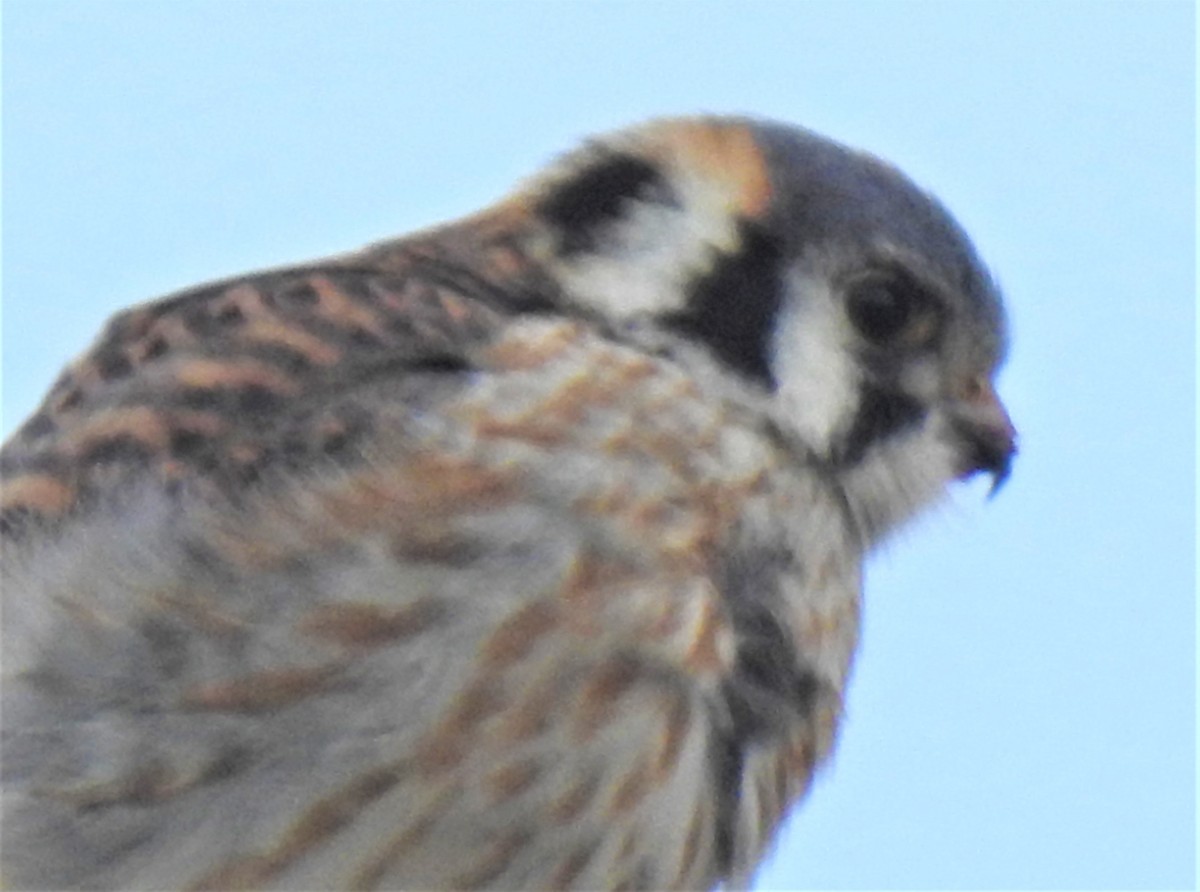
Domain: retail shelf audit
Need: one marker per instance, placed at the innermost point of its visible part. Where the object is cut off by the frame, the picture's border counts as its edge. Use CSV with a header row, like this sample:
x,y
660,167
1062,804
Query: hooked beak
x,y
987,434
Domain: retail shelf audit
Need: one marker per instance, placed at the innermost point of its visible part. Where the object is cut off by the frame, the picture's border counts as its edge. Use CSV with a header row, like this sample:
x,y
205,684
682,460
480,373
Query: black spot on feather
x,y
771,691
881,414
120,449
733,308
582,206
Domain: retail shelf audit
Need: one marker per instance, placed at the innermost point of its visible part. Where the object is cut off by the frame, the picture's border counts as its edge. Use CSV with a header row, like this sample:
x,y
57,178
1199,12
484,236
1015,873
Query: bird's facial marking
x,y
872,352
914,344
628,224
881,414
733,309
817,375
896,323
580,209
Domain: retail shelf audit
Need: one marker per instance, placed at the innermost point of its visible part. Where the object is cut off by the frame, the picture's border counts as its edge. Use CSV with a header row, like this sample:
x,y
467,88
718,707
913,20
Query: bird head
x,y
843,296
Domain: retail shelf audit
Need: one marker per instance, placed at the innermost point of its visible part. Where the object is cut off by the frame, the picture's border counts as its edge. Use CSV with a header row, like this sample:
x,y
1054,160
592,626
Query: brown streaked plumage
x,y
522,552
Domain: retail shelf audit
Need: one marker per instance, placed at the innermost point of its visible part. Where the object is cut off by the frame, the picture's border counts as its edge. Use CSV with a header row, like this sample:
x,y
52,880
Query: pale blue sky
x,y
1022,712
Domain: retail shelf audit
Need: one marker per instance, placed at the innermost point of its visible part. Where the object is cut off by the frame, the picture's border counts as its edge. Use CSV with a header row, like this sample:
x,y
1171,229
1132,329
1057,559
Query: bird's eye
x,y
886,310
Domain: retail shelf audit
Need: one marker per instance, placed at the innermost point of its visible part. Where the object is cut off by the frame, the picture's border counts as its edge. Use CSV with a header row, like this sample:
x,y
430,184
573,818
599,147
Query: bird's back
x,y
373,574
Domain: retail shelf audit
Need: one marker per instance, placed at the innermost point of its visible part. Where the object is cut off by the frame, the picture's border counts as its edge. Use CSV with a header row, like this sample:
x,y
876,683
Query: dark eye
x,y
887,309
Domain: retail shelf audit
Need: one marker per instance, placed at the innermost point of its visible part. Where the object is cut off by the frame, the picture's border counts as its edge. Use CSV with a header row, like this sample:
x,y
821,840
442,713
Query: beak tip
x,y
999,478
989,451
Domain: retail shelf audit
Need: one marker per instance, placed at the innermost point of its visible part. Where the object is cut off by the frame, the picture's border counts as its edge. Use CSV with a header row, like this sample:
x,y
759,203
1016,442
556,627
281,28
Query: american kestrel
x,y
522,552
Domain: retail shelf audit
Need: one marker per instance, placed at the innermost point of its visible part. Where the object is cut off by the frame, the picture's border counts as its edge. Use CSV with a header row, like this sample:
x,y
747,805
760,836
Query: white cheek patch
x,y
817,377
901,477
922,379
